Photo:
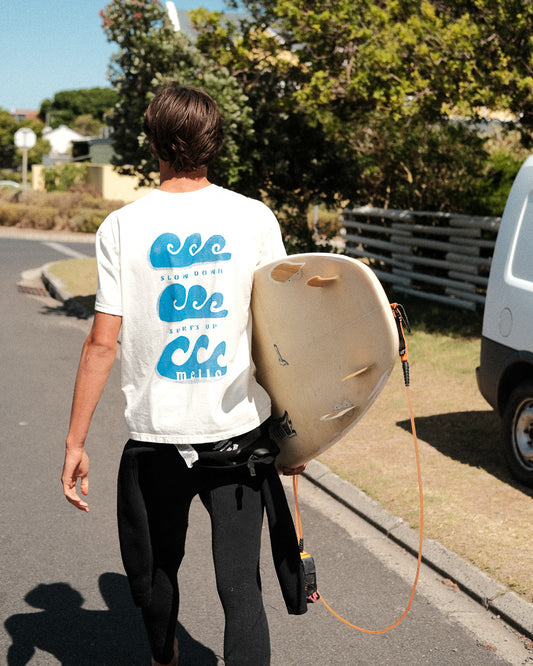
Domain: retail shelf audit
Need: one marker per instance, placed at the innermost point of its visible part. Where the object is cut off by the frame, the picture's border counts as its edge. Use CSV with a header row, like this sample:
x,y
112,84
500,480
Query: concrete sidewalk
x,y
492,595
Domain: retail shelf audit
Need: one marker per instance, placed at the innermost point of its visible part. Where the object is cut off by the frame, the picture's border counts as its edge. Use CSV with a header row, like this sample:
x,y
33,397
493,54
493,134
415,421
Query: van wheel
x,y
517,432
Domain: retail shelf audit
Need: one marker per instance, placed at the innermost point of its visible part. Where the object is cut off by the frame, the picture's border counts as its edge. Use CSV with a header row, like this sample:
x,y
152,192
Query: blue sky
x,y
52,45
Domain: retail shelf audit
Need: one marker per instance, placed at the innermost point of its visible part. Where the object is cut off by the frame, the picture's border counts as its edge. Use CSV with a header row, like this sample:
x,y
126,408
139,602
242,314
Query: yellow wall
x,y
114,186
109,183
37,177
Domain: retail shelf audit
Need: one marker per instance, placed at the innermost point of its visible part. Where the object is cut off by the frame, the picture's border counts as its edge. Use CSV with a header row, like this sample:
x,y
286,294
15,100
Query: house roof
x,y
23,114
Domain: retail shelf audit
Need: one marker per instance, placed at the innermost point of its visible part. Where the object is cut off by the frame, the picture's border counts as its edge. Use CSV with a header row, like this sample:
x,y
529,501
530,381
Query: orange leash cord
x,y
400,318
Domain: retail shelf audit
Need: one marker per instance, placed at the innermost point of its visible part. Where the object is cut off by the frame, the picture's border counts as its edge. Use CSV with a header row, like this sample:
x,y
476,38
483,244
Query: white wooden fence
x,y
442,257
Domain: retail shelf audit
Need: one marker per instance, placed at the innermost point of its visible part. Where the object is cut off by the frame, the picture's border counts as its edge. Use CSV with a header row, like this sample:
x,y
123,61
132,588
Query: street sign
x,y
25,138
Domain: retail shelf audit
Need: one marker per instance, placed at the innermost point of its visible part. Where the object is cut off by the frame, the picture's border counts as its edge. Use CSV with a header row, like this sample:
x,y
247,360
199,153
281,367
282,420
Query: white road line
x,y
64,249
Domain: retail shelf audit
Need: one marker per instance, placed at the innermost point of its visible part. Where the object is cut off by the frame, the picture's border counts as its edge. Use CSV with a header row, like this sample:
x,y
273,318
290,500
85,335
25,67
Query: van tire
x,y
517,432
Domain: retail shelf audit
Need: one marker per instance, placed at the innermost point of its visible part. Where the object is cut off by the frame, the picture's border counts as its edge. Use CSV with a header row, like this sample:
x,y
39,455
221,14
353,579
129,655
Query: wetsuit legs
x,y
160,617
155,492
236,518
153,509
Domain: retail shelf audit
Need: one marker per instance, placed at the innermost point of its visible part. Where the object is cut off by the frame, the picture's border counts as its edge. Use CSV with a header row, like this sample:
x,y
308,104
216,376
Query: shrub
x,y
10,214
40,217
87,220
72,211
9,174
500,171
28,216
91,191
62,176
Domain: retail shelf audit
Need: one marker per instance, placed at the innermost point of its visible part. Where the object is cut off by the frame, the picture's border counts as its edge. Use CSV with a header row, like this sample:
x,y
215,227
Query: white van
x,y
505,373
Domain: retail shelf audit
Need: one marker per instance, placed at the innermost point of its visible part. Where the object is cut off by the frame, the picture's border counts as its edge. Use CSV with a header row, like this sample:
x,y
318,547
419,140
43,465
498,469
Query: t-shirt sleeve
x,y
109,292
272,247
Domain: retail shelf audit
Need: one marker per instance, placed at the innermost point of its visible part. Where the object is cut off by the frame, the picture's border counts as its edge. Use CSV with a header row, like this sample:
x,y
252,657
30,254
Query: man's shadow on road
x,y
472,438
81,307
79,637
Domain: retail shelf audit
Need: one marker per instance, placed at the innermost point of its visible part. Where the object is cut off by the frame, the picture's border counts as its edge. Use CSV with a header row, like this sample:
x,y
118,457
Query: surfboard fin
x,y
358,372
317,281
340,410
283,272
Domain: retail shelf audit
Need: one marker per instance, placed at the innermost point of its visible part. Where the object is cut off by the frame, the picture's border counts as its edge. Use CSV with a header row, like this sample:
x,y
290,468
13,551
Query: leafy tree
x,y
383,84
152,54
339,100
504,53
293,163
418,166
402,58
10,156
68,105
8,127
87,125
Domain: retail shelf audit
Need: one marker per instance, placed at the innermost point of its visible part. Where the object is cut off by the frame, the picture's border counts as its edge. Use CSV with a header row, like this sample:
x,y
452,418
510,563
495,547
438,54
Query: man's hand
x,y
76,467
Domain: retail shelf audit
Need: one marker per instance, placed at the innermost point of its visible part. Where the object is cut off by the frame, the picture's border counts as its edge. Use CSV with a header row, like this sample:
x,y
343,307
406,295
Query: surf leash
x,y
311,589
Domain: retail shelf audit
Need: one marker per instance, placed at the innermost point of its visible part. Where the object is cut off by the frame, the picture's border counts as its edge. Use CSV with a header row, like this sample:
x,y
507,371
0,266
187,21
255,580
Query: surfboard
x,y
324,344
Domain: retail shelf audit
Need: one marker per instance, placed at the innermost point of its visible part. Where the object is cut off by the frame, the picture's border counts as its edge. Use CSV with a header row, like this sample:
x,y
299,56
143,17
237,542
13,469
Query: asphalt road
x,y
63,594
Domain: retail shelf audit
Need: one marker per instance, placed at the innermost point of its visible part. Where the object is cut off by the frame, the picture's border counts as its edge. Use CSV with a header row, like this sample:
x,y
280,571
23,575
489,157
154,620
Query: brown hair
x,y
184,127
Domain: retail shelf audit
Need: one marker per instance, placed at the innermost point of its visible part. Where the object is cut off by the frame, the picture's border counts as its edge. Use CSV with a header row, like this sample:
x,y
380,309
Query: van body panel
x,y
508,317
501,368
505,373
493,360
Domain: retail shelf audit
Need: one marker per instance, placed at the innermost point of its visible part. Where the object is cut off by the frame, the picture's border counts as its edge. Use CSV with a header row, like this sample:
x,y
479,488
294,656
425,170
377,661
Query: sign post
x,y
25,138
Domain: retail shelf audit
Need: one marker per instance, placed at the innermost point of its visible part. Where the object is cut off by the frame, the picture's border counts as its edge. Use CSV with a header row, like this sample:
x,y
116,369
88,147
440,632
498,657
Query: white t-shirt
x,y
179,270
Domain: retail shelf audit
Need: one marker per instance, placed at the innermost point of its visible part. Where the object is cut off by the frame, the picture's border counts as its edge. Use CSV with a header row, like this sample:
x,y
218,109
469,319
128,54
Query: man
x,y
175,272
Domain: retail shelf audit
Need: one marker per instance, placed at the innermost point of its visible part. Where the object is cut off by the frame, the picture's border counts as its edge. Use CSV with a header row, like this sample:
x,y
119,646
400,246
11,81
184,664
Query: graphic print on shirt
x,y
191,357
178,304
191,367
168,252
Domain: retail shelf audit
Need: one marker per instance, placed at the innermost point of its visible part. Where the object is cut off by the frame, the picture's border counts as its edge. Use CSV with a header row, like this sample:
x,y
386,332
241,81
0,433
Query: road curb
x,y
57,290
492,595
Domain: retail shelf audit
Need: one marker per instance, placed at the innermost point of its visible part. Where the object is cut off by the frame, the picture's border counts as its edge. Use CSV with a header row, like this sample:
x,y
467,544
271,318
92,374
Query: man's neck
x,y
190,181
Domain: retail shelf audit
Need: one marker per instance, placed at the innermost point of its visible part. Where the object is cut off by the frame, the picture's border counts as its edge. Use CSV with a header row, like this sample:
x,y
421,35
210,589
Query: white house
x,y
61,140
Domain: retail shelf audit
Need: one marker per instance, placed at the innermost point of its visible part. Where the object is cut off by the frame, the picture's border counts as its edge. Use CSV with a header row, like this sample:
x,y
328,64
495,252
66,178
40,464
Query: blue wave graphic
x,y
168,252
176,304
192,369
